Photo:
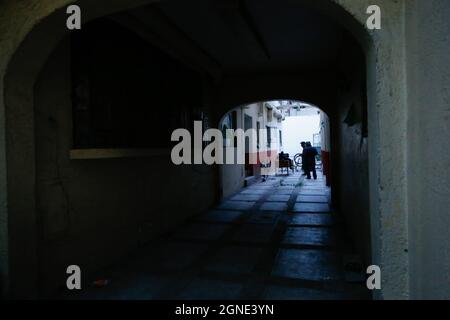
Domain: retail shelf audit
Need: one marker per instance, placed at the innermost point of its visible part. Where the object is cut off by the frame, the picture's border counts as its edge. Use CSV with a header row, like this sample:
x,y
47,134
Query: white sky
x,y
298,129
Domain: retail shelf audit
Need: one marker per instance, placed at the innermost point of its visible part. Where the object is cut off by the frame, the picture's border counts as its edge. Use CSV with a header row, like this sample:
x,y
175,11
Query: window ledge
x,y
79,154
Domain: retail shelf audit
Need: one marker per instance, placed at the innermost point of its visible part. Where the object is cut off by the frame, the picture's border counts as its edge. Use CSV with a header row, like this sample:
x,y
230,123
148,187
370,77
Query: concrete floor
x,y
273,240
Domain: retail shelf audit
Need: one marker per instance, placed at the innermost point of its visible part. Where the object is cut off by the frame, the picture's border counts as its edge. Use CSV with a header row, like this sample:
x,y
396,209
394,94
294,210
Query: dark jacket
x,y
309,158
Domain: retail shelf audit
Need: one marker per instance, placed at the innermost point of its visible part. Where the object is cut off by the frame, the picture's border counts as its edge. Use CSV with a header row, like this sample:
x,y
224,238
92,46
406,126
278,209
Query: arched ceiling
x,y
235,37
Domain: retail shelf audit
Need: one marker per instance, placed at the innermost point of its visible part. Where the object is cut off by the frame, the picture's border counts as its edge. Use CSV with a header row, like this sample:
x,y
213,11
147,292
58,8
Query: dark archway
x,y
223,91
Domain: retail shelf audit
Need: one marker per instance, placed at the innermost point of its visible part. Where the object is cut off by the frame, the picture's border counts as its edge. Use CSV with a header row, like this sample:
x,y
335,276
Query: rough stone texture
x,y
428,39
15,23
387,117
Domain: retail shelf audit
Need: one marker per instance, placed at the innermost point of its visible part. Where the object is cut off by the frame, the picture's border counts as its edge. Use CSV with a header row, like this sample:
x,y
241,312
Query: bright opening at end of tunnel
x,y
302,125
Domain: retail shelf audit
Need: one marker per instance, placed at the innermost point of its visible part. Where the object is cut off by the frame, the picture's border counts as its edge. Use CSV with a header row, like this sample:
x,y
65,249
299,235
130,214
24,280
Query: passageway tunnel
x,y
91,111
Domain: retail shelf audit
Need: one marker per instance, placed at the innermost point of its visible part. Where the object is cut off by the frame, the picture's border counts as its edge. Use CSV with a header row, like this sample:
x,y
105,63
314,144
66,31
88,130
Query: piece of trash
x,y
99,283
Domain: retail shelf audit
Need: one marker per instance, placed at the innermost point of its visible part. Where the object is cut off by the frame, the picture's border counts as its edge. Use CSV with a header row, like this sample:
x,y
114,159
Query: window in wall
x,y
269,115
281,138
248,124
269,138
229,122
260,109
258,127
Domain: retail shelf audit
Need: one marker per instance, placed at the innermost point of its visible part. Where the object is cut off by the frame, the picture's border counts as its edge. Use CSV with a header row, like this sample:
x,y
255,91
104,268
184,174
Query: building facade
x,y
267,122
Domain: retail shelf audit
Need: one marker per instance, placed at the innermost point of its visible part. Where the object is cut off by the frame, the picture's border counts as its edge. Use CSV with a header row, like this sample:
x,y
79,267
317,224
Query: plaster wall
x,y
92,212
387,141
353,176
16,21
232,179
428,38
232,175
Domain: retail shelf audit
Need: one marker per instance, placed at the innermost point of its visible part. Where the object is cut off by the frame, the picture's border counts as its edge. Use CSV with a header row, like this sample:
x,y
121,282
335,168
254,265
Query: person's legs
x,y
314,173
308,174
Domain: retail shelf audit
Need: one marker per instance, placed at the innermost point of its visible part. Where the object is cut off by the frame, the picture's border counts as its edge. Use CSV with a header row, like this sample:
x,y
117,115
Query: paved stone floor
x,y
277,239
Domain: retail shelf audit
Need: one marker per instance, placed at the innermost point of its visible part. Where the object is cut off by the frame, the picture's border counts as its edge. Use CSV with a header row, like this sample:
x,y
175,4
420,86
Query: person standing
x,y
309,160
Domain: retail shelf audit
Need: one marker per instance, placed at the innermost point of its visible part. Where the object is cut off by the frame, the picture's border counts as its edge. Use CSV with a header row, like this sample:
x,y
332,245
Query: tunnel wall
x,y
232,175
352,170
91,212
428,62
232,178
350,157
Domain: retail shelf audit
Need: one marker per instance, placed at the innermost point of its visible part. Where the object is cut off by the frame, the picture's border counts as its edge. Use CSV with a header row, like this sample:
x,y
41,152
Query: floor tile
x,y
254,191
308,236
234,259
286,187
283,192
170,256
237,205
315,265
318,199
201,231
311,219
278,197
246,197
311,207
221,216
264,217
254,233
312,192
274,206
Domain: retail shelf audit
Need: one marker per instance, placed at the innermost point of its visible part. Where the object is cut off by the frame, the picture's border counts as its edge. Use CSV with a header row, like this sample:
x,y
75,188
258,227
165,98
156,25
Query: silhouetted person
x,y
303,144
309,160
